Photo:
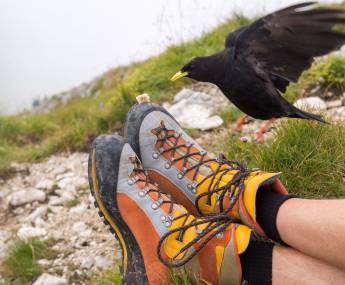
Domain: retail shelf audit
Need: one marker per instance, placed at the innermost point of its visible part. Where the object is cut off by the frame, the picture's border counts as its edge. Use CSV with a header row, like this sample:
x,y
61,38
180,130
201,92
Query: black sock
x,y
267,206
256,263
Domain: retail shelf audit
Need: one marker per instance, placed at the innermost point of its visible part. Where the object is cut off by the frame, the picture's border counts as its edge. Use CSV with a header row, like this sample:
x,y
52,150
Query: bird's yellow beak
x,y
179,75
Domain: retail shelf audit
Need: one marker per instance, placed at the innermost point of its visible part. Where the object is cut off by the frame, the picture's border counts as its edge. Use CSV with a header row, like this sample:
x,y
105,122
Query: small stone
x,y
26,196
18,211
81,208
4,238
4,247
334,104
67,196
4,235
63,176
80,182
62,184
59,170
43,262
37,213
79,227
311,103
56,201
48,279
45,185
87,263
27,232
102,263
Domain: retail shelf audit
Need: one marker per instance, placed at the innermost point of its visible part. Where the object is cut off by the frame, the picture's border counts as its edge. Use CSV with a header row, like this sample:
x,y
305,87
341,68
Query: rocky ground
x,y
51,200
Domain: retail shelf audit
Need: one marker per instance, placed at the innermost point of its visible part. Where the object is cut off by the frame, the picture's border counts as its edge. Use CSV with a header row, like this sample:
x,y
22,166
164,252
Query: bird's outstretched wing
x,y
284,43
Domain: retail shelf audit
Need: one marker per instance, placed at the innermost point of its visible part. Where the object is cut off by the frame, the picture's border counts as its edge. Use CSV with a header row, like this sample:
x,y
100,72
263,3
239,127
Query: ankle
x,y
256,263
268,204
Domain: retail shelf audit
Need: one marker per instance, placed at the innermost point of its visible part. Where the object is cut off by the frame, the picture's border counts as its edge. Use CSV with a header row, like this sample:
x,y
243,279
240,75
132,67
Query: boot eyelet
x,y
142,193
167,165
155,155
130,182
154,206
220,235
167,224
190,187
189,144
180,175
198,231
163,218
161,149
177,135
202,152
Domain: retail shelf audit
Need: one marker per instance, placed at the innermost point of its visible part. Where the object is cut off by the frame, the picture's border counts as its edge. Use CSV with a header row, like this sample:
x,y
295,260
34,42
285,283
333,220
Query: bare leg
x,y
291,267
315,227
259,134
240,122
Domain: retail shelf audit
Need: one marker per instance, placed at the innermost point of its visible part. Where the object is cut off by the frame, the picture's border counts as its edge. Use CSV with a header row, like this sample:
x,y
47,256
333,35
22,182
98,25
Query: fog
x,y
49,46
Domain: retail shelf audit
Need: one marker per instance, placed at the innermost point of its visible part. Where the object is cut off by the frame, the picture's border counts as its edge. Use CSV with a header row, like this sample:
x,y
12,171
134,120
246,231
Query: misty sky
x,y
50,46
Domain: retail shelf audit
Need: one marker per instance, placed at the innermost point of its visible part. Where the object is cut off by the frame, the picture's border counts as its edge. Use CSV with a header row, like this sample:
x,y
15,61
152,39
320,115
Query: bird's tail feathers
x,y
308,116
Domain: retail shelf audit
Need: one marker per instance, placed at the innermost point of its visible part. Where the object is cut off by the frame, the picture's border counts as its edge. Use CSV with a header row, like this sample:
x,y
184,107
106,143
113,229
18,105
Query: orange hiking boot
x,y
156,234
198,181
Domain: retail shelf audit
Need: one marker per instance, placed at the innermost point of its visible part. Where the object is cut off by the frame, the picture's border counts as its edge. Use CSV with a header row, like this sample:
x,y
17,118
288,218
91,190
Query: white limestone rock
x,y
48,279
87,263
27,232
45,184
23,197
37,213
311,103
102,263
195,110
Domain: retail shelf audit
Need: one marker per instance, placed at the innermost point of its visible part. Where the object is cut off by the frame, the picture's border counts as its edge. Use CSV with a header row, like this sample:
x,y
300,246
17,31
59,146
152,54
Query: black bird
x,y
260,60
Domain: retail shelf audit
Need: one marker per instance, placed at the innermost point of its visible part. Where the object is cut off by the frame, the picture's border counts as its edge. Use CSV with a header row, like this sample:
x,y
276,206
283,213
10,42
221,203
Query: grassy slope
x,y
28,137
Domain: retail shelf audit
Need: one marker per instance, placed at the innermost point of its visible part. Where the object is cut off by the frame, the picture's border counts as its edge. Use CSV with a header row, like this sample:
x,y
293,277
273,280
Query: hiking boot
x,y
197,180
156,234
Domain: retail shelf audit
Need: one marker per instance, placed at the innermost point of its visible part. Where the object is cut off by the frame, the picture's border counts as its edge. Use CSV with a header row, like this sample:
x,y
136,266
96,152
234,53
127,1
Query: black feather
x,y
260,60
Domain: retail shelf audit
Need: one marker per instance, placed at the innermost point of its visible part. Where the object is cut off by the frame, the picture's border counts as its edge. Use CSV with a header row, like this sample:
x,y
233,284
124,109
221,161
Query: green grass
x,y
328,74
230,115
30,137
180,278
108,277
71,203
310,156
21,261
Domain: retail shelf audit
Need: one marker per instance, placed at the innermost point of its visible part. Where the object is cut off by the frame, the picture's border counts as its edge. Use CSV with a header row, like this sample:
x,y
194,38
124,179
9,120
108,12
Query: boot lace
x,y
211,226
169,141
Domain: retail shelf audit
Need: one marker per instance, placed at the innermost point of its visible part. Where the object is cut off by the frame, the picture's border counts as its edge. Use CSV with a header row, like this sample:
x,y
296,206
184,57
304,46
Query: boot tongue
x,y
252,186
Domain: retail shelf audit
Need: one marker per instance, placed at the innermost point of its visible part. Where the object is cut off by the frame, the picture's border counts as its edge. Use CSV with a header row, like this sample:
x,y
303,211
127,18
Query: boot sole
x,y
133,267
